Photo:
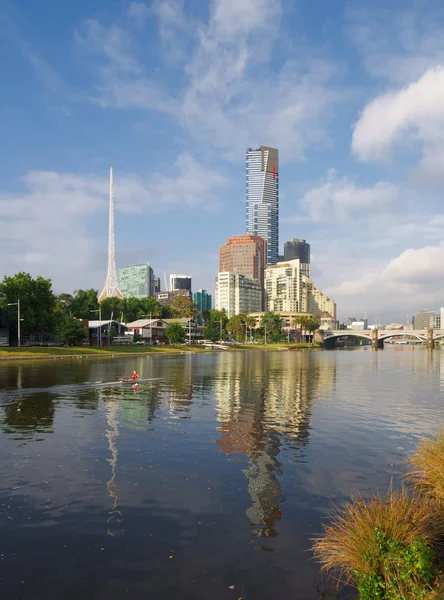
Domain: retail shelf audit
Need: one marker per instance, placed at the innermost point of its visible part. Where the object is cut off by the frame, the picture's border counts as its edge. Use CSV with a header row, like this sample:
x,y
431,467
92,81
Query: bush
x,y
428,468
382,545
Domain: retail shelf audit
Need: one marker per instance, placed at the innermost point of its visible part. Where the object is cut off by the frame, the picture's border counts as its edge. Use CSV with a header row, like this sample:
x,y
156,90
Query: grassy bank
x,y
65,352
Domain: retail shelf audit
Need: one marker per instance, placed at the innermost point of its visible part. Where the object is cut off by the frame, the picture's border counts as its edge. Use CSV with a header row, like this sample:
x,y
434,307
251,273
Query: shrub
x,y
428,468
382,545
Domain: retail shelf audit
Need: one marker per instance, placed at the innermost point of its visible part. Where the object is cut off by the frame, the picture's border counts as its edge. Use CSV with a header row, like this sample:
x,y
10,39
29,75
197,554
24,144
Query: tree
x,y
84,303
271,322
69,330
212,331
64,302
111,307
183,307
251,324
236,326
175,333
313,324
150,306
37,302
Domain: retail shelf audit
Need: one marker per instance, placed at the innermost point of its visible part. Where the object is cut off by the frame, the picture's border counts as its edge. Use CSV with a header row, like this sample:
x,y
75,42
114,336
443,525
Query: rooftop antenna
x,y
111,289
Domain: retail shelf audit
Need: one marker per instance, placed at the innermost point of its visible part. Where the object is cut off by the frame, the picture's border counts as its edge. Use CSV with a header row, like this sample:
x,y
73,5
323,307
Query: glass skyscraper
x,y
202,300
262,215
136,281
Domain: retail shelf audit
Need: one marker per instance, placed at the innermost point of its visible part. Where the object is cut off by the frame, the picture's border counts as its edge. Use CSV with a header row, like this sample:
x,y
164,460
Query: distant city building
x,y
136,281
202,300
244,255
165,298
236,293
425,319
262,210
156,285
441,312
437,321
180,282
359,325
297,248
394,326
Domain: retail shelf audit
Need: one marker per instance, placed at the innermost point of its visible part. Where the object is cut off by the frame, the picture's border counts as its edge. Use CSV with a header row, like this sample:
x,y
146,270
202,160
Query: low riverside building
x,y
192,329
101,333
150,331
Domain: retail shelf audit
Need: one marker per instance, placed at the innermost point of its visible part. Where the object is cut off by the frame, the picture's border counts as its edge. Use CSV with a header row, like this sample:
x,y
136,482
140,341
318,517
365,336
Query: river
x,y
208,482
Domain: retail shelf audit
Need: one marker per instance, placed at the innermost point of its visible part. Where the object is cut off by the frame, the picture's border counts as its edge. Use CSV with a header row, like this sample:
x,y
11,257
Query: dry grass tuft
x,y
427,463
349,538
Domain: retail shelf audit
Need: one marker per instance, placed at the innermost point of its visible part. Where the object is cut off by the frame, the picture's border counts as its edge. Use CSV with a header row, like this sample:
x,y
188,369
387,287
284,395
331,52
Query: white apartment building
x,y
236,294
283,287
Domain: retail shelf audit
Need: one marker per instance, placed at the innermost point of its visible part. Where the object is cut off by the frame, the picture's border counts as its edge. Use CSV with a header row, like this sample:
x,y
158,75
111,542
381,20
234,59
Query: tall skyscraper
x,y
297,248
180,282
136,281
156,285
111,289
262,215
202,300
236,294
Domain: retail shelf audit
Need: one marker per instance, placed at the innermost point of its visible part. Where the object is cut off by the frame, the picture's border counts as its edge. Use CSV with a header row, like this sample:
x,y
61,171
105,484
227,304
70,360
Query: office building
x,y
136,281
156,285
425,319
180,282
165,298
297,248
244,255
262,187
202,300
236,294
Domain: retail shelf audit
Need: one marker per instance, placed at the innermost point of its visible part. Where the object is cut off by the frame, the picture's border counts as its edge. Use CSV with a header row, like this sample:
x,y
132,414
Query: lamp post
x,y
99,310
17,304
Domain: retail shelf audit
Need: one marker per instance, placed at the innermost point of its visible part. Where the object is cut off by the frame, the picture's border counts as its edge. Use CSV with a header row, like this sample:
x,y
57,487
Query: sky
x,y
170,93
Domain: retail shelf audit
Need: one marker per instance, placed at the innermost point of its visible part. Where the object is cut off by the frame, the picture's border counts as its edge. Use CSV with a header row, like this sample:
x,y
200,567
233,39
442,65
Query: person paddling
x,y
135,375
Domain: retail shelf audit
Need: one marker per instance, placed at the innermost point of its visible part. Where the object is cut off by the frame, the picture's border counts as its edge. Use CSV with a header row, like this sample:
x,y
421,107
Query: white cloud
x,y
415,112
339,198
405,284
46,229
139,12
230,97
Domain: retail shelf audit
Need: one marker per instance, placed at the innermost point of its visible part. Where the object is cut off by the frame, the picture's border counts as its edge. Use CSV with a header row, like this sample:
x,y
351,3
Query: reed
x,y
383,545
427,464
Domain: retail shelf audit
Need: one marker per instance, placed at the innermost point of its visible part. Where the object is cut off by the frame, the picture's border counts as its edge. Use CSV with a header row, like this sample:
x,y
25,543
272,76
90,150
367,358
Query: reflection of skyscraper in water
x,y
264,402
180,388
112,433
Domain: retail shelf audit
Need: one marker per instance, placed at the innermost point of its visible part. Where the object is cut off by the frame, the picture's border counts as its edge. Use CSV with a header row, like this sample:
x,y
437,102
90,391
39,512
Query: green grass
x,y
427,468
54,351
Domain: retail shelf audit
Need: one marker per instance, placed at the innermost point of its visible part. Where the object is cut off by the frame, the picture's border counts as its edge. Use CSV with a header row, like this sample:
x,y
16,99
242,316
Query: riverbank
x,y
39,352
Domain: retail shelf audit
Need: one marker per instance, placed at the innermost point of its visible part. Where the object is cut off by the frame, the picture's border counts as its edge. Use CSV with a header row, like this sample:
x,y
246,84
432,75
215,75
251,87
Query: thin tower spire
x,y
111,289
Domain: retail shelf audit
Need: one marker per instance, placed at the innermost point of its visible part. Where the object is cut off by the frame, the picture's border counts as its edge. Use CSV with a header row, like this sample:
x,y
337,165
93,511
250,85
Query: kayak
x,y
126,381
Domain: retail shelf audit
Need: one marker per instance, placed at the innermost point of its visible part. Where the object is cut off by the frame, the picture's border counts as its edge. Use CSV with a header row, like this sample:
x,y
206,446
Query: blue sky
x,y
172,92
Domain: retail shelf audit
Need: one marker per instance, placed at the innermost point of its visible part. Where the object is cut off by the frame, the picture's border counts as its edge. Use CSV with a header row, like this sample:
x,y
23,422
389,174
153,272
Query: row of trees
x,y
44,312
242,327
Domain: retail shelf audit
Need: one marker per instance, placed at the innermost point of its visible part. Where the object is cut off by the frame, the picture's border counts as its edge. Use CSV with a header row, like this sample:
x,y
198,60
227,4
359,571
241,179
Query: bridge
x,y
377,336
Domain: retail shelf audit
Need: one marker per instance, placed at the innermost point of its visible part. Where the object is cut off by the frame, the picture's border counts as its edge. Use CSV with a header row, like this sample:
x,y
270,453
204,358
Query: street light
x,y
17,304
99,310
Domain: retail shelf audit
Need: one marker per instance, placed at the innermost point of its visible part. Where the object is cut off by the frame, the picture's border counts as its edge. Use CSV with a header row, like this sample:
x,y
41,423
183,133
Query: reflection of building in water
x,y
112,433
263,402
180,388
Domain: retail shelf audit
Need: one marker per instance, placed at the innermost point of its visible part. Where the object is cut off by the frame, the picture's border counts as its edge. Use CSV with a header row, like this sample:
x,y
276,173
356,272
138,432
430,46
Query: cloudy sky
x,y
172,92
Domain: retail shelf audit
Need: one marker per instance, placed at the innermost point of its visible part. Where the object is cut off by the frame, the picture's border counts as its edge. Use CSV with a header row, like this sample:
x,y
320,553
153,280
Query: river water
x,y
208,482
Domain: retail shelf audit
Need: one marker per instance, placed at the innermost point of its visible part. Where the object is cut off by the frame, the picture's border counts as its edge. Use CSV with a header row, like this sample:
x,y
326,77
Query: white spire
x,y
111,289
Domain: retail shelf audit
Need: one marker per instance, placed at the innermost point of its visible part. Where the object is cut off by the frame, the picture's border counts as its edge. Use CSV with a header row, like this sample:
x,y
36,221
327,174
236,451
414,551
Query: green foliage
x,y
69,330
83,303
37,302
272,322
183,307
217,316
212,331
175,333
275,337
236,326
395,571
